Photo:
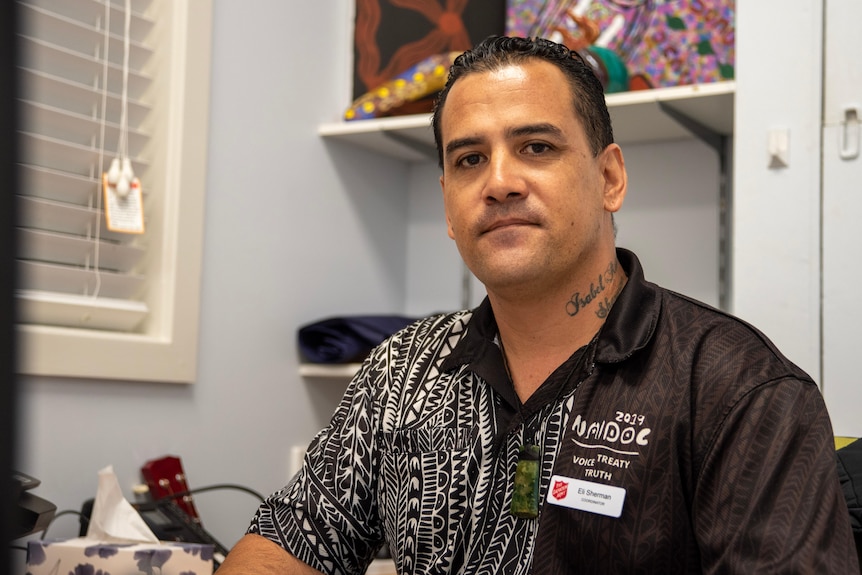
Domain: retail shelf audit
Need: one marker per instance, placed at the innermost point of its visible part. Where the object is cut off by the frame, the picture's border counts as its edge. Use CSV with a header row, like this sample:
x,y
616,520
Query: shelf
x,y
405,137
382,567
327,370
637,117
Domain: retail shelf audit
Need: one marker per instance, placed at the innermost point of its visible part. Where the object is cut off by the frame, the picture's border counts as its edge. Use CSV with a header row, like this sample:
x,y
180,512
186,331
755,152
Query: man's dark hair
x,y
495,52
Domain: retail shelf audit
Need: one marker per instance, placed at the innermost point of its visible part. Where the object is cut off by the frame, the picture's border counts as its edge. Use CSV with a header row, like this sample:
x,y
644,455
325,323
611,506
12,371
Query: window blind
x,y
73,271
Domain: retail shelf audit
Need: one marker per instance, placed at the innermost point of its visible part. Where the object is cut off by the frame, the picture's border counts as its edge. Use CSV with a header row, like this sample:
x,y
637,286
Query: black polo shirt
x,y
682,441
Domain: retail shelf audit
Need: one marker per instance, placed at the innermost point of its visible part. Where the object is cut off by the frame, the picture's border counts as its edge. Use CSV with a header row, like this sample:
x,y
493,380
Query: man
x,y
581,419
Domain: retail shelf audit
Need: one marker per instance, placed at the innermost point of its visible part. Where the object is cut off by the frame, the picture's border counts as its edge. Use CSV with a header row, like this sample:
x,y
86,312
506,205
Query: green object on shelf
x,y
617,74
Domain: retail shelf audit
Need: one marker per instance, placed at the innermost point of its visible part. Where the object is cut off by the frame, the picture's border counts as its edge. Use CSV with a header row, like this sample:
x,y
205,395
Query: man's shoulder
x,y
722,342
435,335
433,329
408,376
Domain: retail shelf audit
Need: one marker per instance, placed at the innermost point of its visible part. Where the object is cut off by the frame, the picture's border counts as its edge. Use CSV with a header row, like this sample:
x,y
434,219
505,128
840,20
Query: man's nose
x,y
504,180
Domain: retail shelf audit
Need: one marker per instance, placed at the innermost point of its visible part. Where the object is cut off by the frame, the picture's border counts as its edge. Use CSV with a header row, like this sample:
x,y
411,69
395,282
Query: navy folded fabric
x,y
347,339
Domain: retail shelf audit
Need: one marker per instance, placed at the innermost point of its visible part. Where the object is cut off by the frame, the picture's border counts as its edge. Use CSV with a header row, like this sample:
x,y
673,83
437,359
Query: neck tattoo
x,y
603,291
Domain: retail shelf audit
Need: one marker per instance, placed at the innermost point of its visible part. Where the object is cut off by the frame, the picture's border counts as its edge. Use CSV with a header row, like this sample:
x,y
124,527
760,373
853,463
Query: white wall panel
x,y
776,210
842,211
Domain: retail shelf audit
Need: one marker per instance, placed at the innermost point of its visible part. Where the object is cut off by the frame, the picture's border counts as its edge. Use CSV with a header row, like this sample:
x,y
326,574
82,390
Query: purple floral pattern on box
x,y
662,42
205,551
149,561
152,558
103,550
87,569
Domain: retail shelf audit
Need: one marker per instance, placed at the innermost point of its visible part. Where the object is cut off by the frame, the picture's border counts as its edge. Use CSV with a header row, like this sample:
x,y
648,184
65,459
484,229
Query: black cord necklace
x,y
525,489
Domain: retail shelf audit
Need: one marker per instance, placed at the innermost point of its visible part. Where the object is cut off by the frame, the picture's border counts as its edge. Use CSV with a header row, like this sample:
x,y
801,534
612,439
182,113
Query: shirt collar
x,y
633,319
479,351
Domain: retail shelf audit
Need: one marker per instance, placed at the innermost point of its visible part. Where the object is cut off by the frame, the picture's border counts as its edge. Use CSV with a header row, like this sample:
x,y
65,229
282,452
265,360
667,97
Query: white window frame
x,y
167,349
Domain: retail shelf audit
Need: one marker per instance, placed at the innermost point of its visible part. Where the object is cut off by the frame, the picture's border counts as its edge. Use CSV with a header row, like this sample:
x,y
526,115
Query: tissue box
x,y
83,556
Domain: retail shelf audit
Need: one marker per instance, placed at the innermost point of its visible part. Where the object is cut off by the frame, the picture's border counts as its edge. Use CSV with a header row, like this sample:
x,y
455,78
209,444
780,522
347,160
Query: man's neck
x,y
540,333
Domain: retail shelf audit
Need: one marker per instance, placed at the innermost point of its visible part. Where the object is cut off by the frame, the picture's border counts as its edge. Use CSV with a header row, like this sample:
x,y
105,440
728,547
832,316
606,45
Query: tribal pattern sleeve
x,y
327,515
408,459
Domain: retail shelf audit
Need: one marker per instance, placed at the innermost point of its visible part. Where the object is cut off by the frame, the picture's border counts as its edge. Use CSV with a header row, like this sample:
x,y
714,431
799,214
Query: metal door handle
x,y
851,132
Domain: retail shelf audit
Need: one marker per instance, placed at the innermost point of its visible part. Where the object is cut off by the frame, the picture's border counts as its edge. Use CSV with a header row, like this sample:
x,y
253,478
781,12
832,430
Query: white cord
x,y
106,50
121,173
122,147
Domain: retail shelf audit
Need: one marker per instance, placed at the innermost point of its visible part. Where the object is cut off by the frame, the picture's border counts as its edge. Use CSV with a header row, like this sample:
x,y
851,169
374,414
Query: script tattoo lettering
x,y
579,301
604,308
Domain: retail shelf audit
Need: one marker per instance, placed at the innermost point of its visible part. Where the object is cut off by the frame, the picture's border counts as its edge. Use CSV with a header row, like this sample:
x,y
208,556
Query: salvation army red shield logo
x,y
560,489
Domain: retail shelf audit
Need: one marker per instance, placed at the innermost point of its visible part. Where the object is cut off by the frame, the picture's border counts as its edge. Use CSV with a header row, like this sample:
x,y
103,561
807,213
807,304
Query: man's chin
x,y
510,275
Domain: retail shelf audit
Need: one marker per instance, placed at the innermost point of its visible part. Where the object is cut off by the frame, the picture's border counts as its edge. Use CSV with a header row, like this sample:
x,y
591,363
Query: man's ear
x,y
449,229
614,173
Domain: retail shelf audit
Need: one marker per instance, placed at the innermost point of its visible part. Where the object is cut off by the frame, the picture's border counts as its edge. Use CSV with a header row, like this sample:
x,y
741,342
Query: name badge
x,y
586,496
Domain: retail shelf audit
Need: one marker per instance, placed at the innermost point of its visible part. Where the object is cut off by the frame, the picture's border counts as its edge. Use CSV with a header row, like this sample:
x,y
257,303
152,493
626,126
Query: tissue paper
x,y
113,519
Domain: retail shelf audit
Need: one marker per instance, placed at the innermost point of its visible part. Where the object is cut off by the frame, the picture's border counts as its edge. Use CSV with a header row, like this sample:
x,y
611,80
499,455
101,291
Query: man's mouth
x,y
506,223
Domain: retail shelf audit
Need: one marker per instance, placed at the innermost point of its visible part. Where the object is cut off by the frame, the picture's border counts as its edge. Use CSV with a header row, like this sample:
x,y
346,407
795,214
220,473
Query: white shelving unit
x,y
328,371
381,567
638,117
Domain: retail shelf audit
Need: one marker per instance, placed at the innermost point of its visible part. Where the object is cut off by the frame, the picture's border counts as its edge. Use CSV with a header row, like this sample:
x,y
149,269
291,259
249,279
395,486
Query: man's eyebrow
x,y
461,143
534,129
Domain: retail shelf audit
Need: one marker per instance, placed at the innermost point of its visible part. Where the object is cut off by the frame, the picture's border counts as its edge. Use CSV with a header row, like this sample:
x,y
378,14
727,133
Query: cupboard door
x,y
842,216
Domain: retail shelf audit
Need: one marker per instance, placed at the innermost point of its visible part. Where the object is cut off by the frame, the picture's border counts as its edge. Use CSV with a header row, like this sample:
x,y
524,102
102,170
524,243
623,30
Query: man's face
x,y
526,202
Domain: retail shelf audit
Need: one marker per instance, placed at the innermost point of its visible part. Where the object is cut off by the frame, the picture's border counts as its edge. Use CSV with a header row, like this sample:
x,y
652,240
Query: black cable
x,y
179,494
60,514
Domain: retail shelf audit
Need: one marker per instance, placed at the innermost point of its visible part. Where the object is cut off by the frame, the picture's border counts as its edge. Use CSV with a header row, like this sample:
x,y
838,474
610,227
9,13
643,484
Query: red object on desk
x,y
165,478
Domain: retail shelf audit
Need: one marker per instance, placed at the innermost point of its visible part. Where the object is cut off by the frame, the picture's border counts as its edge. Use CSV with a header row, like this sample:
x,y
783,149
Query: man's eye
x,y
470,160
537,147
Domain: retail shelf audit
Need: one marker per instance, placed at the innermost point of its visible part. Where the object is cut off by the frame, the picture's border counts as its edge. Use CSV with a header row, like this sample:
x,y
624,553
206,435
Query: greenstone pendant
x,y
525,493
